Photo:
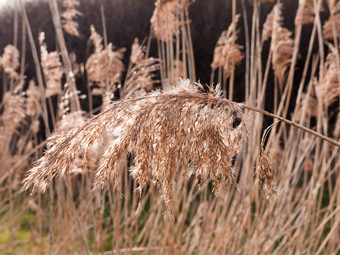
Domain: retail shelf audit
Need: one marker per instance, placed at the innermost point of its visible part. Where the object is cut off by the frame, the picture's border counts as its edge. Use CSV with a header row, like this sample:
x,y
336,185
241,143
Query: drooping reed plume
x,y
33,100
265,172
104,67
10,61
140,76
227,53
14,109
281,44
52,68
170,26
69,15
329,90
164,22
331,28
180,131
305,13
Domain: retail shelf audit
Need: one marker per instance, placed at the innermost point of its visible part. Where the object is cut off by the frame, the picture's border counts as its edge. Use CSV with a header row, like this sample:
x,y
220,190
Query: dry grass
x,y
184,149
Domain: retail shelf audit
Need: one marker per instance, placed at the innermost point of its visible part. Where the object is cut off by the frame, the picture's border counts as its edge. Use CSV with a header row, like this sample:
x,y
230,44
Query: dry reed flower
x,y
164,20
13,112
10,61
140,76
96,39
33,107
104,67
265,173
52,68
68,15
333,20
329,90
282,43
305,13
137,51
267,29
264,170
227,53
177,131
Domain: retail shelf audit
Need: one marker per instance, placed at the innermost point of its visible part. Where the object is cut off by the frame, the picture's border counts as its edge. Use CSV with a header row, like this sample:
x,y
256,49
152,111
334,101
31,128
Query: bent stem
x,y
292,123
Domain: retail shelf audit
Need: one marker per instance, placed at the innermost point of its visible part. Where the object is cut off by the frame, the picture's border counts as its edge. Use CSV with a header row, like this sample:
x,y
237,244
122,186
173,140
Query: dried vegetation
x,y
184,149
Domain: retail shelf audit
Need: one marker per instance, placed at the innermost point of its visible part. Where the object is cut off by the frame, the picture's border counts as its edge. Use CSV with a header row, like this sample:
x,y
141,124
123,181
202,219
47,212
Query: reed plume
x,y
305,13
332,22
52,68
227,53
329,90
164,22
104,67
68,16
33,107
10,61
265,173
180,131
282,43
14,109
140,76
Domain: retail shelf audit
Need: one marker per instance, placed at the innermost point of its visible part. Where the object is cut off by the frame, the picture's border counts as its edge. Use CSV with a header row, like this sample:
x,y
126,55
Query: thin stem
x,y
37,69
292,123
246,33
23,50
103,24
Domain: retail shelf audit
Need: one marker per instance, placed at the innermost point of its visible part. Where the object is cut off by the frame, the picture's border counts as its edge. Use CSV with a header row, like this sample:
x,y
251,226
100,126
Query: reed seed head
x,y
180,131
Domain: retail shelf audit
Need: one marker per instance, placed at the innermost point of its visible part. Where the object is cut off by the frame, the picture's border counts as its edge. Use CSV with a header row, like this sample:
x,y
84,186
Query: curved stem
x,y
292,123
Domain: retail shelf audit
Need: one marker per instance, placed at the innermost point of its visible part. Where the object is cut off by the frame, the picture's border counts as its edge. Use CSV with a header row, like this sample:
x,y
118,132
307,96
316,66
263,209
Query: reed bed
x,y
167,165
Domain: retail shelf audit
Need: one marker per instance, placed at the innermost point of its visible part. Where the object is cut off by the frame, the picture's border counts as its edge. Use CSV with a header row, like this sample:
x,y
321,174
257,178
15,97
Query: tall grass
x,y
183,151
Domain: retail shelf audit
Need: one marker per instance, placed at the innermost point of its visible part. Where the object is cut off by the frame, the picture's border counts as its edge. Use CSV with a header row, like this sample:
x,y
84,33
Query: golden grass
x,y
189,152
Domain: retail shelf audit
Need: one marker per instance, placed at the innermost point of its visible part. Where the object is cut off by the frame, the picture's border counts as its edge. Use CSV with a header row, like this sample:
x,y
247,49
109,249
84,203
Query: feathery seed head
x,y
10,61
334,20
68,17
180,131
104,66
329,90
140,76
265,173
305,13
164,21
282,43
52,68
33,107
227,53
